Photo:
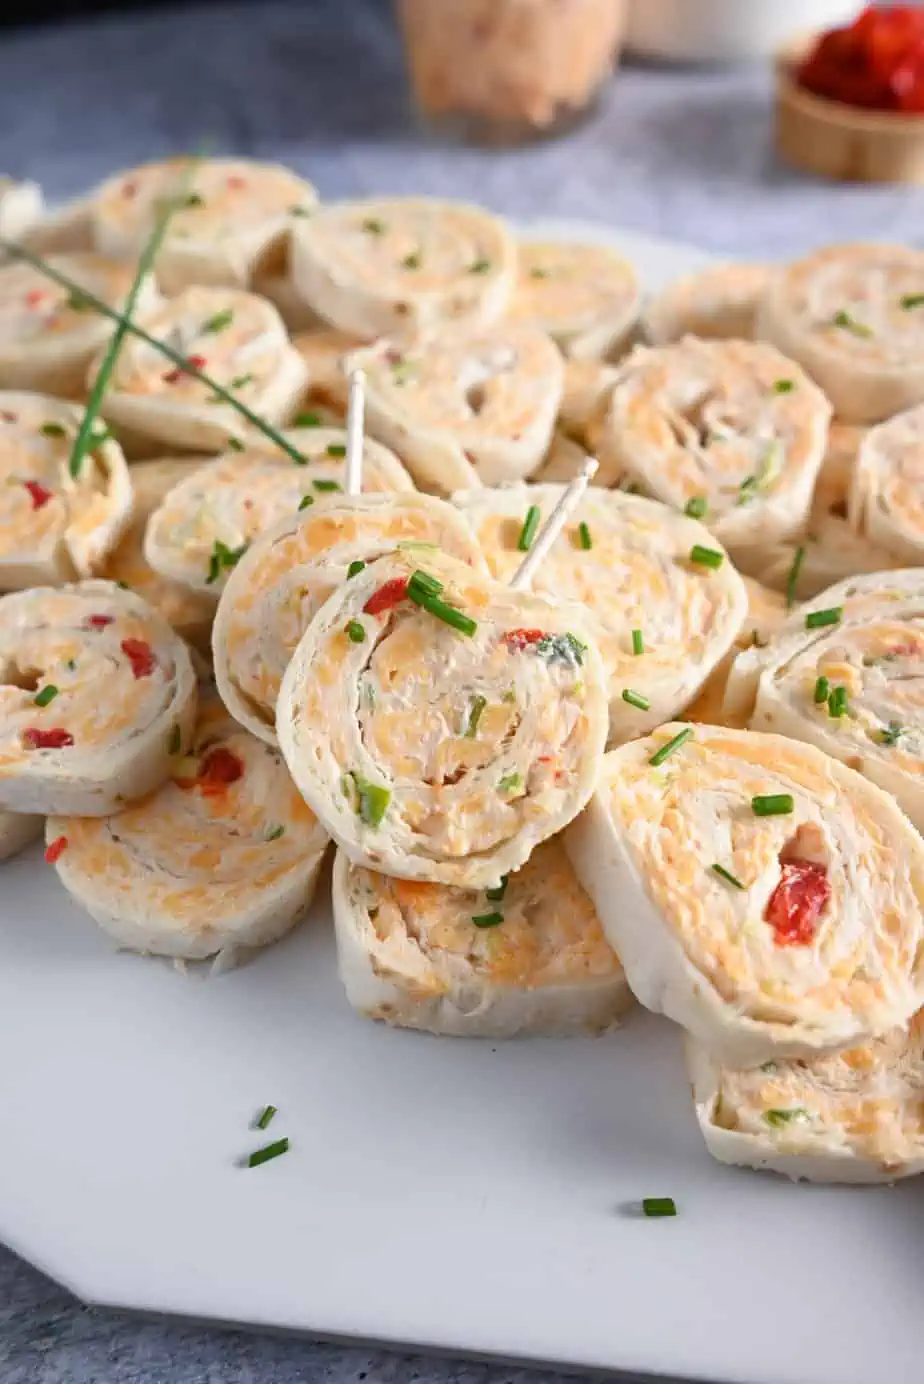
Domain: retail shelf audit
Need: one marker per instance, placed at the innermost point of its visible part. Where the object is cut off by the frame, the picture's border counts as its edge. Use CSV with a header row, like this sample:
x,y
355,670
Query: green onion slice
x,y
772,804
659,1206
474,716
658,758
792,580
267,1153
638,642
818,619
46,695
528,531
488,919
265,1116
706,557
636,699
727,875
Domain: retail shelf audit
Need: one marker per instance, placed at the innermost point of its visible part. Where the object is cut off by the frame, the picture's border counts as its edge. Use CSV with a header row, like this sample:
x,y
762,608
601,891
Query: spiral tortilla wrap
x,y
586,297
718,303
885,503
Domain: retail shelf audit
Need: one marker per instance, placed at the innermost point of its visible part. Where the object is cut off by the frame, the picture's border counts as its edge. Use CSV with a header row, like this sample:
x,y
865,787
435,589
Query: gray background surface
x,y
320,87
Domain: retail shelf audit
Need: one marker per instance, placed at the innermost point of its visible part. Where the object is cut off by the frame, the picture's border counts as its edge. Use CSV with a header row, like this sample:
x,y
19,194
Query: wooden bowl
x,y
840,141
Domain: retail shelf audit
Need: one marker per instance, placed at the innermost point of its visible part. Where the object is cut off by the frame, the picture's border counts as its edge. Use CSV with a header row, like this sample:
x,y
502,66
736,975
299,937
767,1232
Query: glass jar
x,y
506,71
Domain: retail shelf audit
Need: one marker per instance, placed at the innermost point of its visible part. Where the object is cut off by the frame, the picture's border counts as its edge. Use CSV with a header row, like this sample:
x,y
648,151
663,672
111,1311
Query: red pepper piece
x,y
35,296
219,767
235,180
140,655
99,622
40,496
55,849
518,640
797,902
56,739
387,596
197,363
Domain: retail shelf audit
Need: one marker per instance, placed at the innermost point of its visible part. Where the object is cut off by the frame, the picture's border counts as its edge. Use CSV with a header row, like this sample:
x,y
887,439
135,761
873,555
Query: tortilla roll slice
x,y
236,338
95,689
224,855
854,1116
404,265
851,316
206,523
237,216
188,612
730,431
289,572
766,612
586,297
660,621
466,407
55,526
442,741
17,831
49,336
533,961
21,207
843,673
886,504
748,884
717,303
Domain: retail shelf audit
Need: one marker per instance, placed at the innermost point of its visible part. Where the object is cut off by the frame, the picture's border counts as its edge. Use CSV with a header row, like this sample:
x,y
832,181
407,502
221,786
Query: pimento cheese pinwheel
x,y
661,619
48,335
748,884
96,691
237,339
206,523
729,431
466,407
851,315
189,612
720,302
404,265
886,504
439,724
290,571
55,525
236,215
586,297
224,855
855,1116
842,673
18,830
526,957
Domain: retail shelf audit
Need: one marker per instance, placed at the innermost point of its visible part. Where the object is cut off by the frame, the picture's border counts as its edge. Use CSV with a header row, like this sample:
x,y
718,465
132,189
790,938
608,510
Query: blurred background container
x,y
725,30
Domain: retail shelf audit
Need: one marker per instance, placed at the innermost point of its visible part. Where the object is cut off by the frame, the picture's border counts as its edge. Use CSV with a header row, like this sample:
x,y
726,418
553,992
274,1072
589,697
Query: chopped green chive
x,y
638,642
890,736
480,266
727,875
584,538
336,449
274,833
488,919
223,559
528,531
374,226
71,664
850,324
299,211
497,893
421,586
265,1117
356,632
411,261
636,699
659,756
306,420
218,321
778,1118
837,702
270,1151
194,200
912,300
305,502
822,688
792,580
372,801
474,716
46,695
783,386
355,567
537,272
696,507
747,490
240,381
233,445
659,1206
772,804
706,557
324,487
52,430
510,783
448,614
174,741
818,619
78,302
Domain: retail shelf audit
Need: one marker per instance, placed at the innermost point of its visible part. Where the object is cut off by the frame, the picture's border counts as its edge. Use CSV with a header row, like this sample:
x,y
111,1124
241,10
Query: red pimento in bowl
x,y
876,63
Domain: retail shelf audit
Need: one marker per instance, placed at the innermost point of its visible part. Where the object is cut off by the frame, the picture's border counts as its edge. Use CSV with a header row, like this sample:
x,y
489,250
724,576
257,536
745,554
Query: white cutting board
x,y
463,1196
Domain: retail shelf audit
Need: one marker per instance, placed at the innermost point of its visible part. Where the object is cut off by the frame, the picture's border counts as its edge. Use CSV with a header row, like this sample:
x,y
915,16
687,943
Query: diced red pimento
x,y
35,296
387,596
40,496
141,656
55,849
220,767
797,902
55,739
197,363
99,622
235,180
908,650
518,640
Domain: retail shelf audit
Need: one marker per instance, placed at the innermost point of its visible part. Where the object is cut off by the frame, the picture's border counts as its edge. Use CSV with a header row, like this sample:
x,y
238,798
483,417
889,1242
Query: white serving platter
x,y
453,1195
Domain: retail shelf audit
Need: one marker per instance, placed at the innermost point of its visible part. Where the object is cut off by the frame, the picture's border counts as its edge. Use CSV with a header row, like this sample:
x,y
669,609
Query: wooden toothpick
x,y
553,526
